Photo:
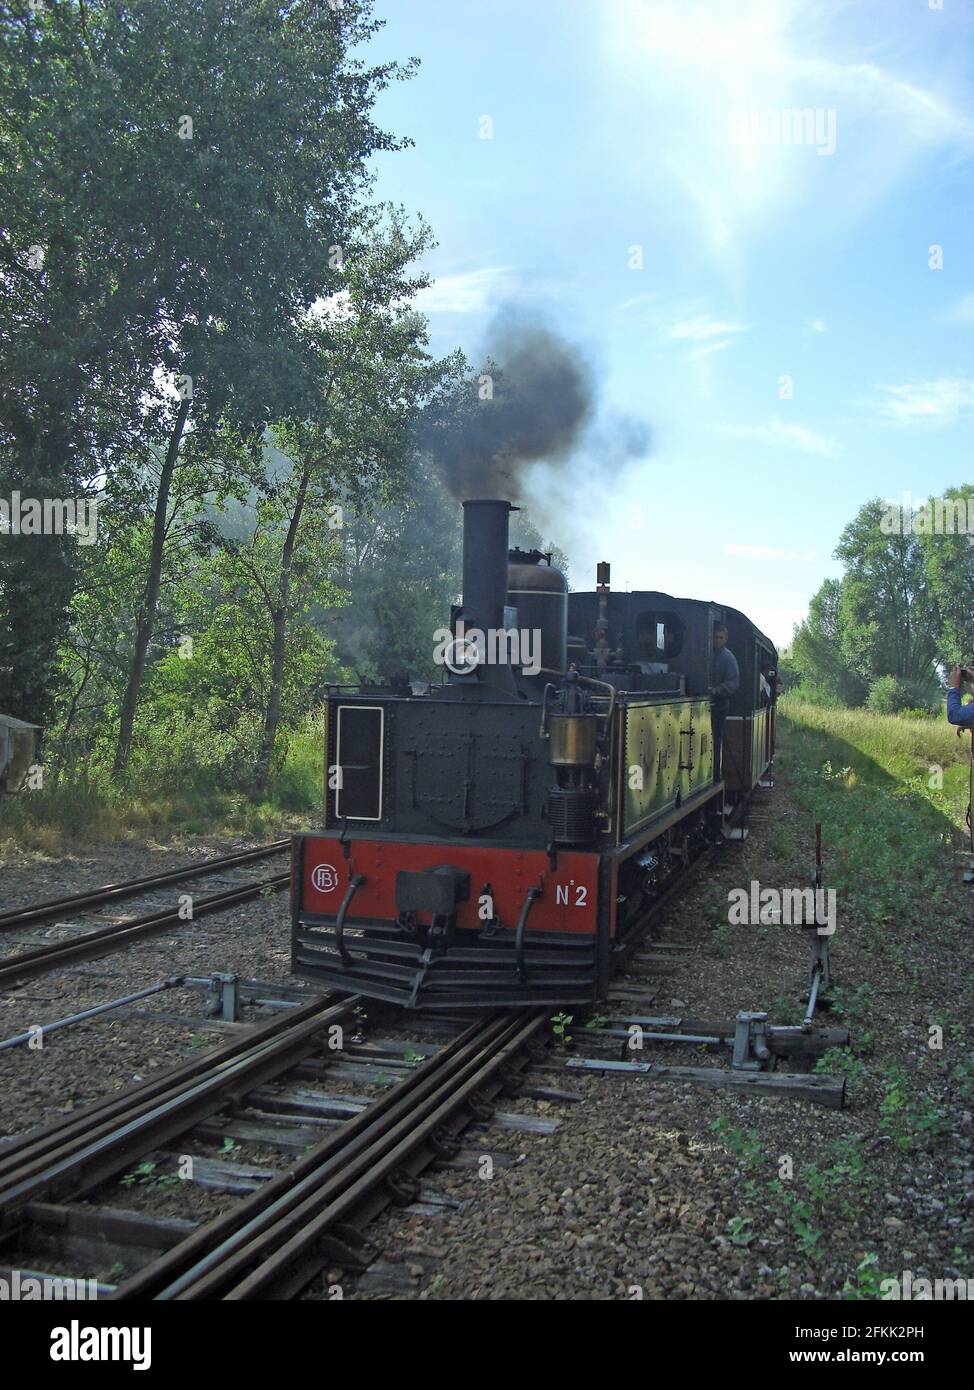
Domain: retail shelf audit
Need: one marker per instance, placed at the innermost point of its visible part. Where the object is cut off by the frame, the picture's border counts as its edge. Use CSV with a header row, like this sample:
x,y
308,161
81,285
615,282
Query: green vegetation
x,y
89,803
905,784
145,1174
560,1024
843,1061
818,1192
901,613
909,1117
740,1231
209,332
903,747
890,792
868,1283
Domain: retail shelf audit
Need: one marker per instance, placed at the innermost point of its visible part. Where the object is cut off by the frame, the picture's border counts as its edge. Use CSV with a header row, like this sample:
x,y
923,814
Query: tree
x,y
178,184
902,611
401,572
818,650
176,485
888,618
948,558
348,453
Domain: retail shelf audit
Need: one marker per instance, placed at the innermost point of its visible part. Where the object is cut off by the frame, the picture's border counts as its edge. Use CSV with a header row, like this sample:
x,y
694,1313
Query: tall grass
x,y
923,756
890,793
883,737
178,792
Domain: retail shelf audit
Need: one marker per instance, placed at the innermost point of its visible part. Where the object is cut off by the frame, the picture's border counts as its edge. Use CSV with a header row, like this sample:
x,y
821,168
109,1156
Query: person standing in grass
x,y
963,717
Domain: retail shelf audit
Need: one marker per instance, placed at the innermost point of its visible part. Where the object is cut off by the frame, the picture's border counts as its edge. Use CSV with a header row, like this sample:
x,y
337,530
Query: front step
x,y
476,976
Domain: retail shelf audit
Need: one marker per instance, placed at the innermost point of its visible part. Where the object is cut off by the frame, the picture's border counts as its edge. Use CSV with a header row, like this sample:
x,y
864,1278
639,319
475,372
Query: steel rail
x,y
104,940
200,1252
47,1137
337,1192
87,1158
20,917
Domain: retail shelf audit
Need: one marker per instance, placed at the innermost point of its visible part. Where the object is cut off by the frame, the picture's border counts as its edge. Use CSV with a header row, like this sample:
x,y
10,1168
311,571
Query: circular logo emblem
x,y
324,877
462,656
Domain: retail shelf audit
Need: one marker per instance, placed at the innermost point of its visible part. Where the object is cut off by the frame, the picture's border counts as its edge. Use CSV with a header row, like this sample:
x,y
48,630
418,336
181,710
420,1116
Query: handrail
x,y
522,922
354,883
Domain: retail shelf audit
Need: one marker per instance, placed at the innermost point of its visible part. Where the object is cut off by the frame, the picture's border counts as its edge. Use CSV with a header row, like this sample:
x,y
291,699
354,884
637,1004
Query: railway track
x,y
272,1243
348,1156
39,959
38,913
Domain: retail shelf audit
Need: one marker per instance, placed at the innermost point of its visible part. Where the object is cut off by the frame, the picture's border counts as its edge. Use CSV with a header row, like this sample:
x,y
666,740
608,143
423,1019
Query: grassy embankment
x,y
890,793
169,798
911,751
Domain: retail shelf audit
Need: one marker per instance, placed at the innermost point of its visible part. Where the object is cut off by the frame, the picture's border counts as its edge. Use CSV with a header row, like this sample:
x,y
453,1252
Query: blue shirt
x,y
725,675
958,713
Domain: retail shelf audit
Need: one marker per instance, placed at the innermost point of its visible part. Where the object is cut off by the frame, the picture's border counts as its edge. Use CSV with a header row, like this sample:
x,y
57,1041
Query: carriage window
x,y
659,636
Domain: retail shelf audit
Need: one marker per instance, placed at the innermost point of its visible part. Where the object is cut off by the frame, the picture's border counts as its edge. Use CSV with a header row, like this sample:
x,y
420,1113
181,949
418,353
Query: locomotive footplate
x,y
468,971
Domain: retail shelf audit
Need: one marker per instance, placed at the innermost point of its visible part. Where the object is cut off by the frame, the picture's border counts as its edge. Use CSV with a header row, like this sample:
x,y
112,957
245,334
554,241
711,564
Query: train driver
x,y
725,678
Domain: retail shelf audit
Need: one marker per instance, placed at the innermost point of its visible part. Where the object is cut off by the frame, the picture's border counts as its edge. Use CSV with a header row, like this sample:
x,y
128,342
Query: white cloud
x,y
466,292
927,402
817,326
700,327
711,348
335,308
637,301
787,436
961,312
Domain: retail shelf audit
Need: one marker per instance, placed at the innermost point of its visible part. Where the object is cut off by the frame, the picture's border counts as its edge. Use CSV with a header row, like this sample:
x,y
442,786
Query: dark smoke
x,y
542,398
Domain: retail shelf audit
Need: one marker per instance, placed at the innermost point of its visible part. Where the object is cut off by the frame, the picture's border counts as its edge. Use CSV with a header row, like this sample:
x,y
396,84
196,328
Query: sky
x,y
787,302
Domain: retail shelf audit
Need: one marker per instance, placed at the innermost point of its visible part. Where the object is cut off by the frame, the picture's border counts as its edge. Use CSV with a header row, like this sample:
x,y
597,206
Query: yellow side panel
x,y
668,757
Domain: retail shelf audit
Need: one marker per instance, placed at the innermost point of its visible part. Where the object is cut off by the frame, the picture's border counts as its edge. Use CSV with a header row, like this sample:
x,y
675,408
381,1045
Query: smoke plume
x,y
531,400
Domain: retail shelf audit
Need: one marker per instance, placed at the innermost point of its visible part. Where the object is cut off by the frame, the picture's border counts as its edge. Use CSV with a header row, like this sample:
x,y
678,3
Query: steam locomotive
x,y
497,840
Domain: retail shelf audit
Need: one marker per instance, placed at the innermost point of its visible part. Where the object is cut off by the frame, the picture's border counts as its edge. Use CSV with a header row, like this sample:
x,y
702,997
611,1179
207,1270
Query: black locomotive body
x,y
495,840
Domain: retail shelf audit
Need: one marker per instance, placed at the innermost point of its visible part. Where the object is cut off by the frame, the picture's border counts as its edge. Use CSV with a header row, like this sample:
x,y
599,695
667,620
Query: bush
x,y
893,695
788,674
296,779
185,777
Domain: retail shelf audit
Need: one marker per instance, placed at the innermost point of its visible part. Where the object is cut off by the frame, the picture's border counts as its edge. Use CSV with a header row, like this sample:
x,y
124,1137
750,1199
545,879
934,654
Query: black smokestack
x,y
485,547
